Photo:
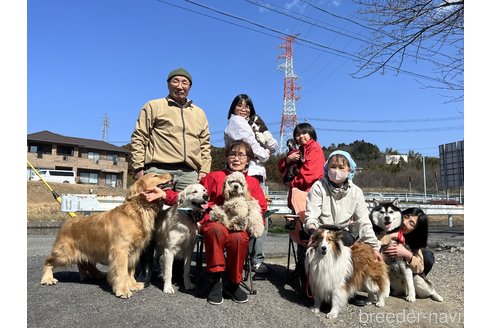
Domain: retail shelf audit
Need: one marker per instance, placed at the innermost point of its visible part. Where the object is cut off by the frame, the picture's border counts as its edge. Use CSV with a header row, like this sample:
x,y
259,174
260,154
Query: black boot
x,y
215,294
145,263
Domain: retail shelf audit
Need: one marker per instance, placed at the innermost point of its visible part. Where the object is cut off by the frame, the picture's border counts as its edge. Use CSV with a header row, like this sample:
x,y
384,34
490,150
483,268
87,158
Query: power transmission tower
x,y
105,127
289,116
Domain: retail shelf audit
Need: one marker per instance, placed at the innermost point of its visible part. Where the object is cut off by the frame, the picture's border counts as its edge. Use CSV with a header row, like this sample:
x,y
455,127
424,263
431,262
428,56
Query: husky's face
x,y
386,216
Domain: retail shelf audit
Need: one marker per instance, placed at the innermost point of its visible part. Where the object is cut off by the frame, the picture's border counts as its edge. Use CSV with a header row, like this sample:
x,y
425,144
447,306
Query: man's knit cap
x,y
179,72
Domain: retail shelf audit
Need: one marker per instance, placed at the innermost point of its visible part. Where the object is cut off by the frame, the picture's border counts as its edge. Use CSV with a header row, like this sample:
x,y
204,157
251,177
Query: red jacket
x,y
214,183
312,168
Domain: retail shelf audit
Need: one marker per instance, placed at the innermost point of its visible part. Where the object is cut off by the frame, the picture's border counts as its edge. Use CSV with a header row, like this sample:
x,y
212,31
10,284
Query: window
x,y
93,155
111,180
89,177
64,150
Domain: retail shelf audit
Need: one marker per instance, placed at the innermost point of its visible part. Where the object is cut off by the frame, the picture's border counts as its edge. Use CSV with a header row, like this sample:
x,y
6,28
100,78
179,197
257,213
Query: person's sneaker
x,y
260,268
357,300
215,294
237,294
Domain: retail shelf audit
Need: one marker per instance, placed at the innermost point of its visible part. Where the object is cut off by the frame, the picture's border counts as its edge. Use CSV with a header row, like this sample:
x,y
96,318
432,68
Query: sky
x,y
87,60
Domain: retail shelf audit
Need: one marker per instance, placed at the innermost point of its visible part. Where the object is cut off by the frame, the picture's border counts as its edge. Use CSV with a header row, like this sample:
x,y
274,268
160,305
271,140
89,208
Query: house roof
x,y
50,137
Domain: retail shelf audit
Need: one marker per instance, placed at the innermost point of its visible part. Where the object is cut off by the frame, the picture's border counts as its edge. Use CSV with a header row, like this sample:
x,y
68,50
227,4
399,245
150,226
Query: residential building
x,y
94,161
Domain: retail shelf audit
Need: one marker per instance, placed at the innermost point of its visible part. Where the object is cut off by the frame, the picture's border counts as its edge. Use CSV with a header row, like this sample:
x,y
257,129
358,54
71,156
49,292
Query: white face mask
x,y
337,176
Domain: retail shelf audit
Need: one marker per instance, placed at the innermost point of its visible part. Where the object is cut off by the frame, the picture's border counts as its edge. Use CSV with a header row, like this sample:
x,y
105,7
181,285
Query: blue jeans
x,y
259,256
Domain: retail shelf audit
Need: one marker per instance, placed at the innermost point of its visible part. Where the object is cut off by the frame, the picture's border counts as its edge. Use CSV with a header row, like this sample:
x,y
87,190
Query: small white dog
x,y
335,272
240,210
175,233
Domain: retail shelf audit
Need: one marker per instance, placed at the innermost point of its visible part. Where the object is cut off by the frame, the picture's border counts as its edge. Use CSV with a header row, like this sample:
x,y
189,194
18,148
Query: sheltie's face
x,y
327,241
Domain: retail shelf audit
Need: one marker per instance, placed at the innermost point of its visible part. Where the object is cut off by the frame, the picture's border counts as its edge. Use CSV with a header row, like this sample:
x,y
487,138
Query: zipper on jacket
x,y
184,135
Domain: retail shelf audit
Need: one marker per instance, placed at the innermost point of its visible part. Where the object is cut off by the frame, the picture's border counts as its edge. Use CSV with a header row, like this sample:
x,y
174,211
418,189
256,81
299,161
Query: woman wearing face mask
x,y
335,199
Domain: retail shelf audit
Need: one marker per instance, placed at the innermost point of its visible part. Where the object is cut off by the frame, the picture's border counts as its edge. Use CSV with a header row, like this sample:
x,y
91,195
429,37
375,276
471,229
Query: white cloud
x,y
295,4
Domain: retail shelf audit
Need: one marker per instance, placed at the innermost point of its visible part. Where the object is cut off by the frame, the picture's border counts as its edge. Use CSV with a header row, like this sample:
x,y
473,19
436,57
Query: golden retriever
x,y
115,238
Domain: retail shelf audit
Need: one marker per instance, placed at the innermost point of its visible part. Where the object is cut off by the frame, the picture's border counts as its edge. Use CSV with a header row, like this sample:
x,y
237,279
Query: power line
x,y
371,28
433,119
317,46
448,128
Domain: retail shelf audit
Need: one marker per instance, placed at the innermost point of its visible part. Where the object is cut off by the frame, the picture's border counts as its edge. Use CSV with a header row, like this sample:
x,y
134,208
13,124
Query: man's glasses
x,y
239,155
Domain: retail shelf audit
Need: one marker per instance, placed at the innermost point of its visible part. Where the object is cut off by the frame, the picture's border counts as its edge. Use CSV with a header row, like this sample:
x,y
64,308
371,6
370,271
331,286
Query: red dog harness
x,y
400,237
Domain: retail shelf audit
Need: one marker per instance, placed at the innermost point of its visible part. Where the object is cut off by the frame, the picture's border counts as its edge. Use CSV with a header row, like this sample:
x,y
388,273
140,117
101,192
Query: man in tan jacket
x,y
171,136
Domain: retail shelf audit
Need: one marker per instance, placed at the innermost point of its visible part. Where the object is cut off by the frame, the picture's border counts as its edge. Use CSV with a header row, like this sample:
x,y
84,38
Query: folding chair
x,y
294,222
198,263
247,270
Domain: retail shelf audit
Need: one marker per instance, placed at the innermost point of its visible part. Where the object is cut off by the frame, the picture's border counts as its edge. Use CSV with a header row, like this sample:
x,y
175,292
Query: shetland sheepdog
x,y
336,272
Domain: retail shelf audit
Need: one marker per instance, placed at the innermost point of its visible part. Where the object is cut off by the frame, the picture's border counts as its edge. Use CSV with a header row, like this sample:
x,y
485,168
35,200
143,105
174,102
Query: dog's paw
x,y
410,298
49,281
315,310
260,138
123,293
137,286
380,303
168,289
256,231
332,314
436,297
268,136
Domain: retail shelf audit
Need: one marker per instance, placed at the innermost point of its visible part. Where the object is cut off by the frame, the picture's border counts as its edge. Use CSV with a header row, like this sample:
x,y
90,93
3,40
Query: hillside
x,y
42,206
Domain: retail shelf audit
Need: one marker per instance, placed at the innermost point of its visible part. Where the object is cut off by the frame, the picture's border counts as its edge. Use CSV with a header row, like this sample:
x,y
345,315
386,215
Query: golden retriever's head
x,y
235,186
194,196
149,180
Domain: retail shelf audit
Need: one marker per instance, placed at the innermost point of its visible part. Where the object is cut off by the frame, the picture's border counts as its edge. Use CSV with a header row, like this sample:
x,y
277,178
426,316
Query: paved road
x,y
74,304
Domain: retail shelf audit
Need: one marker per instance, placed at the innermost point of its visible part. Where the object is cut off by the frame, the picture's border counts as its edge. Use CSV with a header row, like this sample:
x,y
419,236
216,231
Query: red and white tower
x,y
289,116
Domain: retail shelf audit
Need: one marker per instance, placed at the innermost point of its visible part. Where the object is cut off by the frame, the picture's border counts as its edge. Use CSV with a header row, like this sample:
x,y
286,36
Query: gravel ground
x,y
276,304
447,275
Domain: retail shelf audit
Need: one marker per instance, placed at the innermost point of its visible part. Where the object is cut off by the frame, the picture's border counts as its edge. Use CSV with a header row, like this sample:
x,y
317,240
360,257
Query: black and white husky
x,y
387,218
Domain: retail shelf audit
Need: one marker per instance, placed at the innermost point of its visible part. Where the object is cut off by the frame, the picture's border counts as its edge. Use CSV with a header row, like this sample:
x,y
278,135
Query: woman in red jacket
x,y
217,238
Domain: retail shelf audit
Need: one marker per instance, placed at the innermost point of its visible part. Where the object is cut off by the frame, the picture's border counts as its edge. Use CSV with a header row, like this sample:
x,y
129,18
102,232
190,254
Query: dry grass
x,y
42,206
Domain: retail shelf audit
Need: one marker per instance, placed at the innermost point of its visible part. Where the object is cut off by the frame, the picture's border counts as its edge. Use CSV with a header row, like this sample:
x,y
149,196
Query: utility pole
x,y
105,127
437,182
289,116
425,182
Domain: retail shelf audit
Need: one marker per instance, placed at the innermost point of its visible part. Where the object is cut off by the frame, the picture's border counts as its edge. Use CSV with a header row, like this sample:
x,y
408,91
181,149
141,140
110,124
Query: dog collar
x,y
400,237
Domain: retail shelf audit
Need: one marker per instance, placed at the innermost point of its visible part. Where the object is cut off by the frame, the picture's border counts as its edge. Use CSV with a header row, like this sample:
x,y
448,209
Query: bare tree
x,y
430,30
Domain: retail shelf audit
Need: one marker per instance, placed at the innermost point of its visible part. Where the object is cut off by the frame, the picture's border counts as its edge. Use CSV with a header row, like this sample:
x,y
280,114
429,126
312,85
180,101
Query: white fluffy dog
x,y
240,211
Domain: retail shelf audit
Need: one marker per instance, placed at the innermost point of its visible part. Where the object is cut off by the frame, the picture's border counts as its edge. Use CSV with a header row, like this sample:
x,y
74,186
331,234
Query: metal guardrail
x,y
278,201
